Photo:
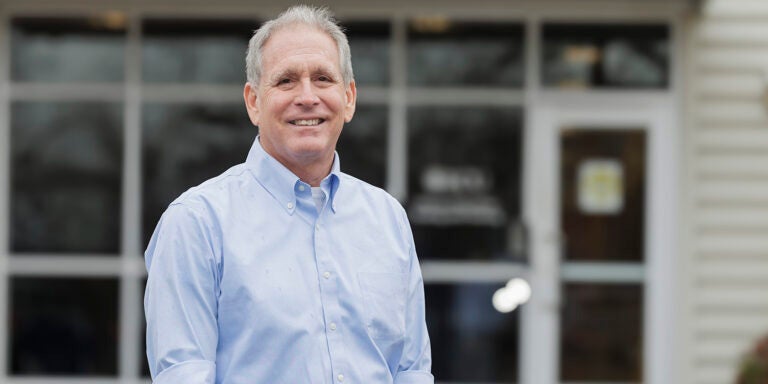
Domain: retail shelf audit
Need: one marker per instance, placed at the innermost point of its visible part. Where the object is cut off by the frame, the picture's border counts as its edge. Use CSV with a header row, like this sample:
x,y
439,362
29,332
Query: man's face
x,y
302,102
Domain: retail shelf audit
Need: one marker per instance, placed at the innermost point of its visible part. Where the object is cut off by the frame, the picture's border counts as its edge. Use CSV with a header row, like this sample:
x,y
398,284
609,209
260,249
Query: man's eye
x,y
284,81
324,78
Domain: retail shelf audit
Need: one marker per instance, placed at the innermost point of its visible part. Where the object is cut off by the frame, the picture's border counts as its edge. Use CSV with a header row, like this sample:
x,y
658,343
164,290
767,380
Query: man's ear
x,y
250,95
349,107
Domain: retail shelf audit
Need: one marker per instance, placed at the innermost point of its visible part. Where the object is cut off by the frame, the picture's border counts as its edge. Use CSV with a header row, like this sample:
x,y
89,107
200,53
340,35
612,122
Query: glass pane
x,y
63,326
601,333
66,177
196,51
606,55
447,53
471,341
464,182
362,145
68,49
369,42
602,197
186,144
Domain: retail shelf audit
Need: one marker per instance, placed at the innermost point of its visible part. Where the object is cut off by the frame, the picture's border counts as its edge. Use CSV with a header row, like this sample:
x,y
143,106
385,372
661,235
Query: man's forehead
x,y
296,49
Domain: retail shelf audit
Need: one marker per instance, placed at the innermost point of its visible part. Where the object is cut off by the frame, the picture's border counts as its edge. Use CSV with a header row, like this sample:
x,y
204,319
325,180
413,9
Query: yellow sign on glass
x,y
600,186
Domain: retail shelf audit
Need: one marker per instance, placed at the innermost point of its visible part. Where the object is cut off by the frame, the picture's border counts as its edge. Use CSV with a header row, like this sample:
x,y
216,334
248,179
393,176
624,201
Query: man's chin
x,y
311,149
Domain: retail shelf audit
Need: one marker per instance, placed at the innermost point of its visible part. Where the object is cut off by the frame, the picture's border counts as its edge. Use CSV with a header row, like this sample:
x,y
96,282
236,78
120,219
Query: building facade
x,y
609,153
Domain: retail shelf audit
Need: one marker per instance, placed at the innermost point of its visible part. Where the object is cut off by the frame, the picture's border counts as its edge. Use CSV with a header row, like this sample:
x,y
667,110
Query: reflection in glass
x,y
186,144
471,341
63,326
195,51
606,55
446,53
601,333
464,182
362,146
369,43
609,228
68,49
66,176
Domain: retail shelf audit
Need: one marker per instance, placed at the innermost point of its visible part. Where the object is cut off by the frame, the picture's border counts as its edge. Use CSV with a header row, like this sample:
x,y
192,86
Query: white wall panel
x,y
732,323
754,140
730,57
745,32
751,243
729,110
720,85
733,272
722,348
736,8
733,164
709,374
735,298
750,190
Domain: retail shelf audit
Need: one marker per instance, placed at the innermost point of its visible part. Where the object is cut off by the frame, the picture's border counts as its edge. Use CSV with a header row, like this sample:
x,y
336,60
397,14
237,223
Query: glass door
x,y
601,203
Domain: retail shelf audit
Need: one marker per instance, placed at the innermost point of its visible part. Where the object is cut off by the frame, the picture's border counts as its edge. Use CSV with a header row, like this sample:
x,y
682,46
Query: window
x,y
101,141
605,56
195,50
89,49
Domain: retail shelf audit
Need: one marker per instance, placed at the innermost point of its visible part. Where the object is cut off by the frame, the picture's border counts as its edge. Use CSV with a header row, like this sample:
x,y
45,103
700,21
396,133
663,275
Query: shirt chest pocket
x,y
384,296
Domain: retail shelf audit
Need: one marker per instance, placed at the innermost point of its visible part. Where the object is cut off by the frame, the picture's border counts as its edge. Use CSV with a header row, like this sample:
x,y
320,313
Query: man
x,y
284,269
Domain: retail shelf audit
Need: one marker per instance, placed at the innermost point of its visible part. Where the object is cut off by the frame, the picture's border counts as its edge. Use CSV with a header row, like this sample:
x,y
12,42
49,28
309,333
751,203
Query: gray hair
x,y
318,17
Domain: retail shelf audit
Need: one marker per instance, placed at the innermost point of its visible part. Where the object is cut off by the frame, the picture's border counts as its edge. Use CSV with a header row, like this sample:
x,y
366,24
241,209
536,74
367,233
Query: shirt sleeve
x,y
180,301
416,361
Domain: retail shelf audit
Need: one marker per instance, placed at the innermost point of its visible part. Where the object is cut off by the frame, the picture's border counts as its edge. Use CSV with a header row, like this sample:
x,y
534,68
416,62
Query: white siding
x,y
727,188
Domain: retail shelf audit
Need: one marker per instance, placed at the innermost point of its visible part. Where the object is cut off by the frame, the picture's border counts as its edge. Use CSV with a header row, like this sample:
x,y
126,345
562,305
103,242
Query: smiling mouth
x,y
307,122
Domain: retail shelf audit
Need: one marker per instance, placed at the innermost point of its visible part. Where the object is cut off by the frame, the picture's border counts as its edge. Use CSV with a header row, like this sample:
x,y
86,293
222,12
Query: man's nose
x,y
307,95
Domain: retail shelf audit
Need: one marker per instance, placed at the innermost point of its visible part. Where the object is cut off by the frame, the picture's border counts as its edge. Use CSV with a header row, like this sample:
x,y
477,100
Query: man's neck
x,y
310,171
314,173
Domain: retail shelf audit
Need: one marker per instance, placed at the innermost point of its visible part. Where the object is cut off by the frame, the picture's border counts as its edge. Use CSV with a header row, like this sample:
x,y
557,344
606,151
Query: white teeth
x,y
307,122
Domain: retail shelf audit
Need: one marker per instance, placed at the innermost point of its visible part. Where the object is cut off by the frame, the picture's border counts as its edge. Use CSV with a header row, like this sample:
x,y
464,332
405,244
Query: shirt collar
x,y
280,182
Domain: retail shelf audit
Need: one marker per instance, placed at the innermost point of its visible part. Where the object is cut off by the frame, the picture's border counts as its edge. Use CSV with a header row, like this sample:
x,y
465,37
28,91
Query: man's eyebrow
x,y
287,73
321,69
293,73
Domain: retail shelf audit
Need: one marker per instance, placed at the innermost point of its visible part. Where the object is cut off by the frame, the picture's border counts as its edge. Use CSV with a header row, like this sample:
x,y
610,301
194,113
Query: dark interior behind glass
x,y
66,177
471,341
630,56
464,182
58,50
63,326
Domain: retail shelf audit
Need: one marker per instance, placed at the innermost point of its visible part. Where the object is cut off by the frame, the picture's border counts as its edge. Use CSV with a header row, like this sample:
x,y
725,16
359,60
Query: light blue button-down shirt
x,y
249,284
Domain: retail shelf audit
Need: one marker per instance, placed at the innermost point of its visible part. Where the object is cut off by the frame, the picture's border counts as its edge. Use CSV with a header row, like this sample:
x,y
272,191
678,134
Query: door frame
x,y
656,112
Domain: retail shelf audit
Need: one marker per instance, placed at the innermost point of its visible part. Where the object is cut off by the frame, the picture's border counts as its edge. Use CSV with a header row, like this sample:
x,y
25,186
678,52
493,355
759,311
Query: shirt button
x,y
301,187
333,326
326,274
340,377
317,226
289,205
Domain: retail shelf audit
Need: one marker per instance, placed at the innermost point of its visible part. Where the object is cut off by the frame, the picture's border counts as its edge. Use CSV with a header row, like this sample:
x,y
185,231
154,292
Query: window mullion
x,y
5,177
130,309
